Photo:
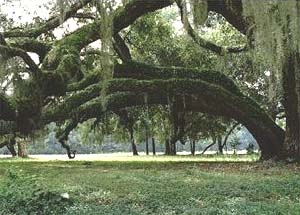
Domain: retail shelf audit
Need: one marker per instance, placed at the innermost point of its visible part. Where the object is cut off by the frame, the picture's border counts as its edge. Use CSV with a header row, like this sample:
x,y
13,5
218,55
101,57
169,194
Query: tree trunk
x,y
147,144
167,147
173,146
291,86
210,145
220,145
11,147
133,145
228,134
193,144
22,149
153,146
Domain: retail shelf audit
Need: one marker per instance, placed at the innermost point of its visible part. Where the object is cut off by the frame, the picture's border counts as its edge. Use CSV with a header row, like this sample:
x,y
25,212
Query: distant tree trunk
x,y
210,145
22,149
228,134
173,146
11,147
193,144
133,145
153,146
220,145
167,147
147,143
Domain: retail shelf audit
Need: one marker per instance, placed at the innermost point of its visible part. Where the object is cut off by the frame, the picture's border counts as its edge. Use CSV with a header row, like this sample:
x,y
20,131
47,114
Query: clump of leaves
x,y
24,194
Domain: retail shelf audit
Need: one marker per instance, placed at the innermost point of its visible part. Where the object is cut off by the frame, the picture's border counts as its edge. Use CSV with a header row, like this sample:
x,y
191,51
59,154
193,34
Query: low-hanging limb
x,y
215,100
62,136
130,70
212,95
205,98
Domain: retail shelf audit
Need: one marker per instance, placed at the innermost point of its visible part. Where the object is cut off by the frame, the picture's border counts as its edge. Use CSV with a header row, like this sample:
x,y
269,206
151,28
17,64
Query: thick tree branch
x,y
84,16
31,45
9,52
121,48
49,24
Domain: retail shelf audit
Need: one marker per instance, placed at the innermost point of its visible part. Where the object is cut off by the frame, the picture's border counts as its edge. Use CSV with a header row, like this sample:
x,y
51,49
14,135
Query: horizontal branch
x,y
59,112
143,71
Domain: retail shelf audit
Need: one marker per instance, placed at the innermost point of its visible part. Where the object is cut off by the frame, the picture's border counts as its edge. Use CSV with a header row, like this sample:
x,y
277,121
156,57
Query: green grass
x,y
164,185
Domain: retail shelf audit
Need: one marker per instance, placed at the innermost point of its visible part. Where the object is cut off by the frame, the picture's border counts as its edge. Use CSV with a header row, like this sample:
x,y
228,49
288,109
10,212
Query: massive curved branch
x,y
91,87
216,100
200,96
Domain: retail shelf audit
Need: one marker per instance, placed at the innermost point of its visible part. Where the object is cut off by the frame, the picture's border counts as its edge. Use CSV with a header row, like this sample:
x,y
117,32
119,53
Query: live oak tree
x,y
68,86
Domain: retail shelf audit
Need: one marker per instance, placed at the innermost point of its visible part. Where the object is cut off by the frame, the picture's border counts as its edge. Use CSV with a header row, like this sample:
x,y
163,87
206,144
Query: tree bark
x,y
193,144
22,149
220,145
11,147
147,143
210,145
133,145
291,86
167,147
173,146
153,146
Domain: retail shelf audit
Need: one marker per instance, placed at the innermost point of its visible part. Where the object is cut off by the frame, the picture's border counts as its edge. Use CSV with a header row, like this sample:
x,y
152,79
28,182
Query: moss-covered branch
x,y
143,71
32,45
60,112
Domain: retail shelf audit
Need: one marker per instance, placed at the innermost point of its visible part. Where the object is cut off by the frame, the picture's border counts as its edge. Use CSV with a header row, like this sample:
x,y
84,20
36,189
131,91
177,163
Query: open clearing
x,y
168,185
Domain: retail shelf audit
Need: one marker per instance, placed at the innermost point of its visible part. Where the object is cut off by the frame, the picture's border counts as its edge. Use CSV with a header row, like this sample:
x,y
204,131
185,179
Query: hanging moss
x,y
200,11
277,29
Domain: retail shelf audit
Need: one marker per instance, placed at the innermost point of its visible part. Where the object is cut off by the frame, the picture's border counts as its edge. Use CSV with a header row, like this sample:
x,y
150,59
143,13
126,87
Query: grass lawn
x,y
163,185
